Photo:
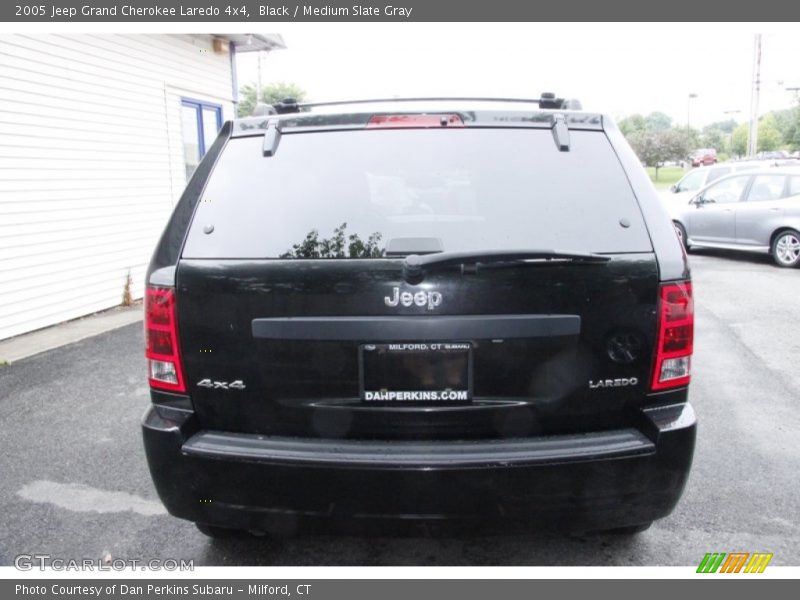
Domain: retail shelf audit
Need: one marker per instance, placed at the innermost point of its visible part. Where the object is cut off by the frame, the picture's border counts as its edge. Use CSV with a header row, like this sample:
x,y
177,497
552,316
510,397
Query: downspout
x,y
234,78
169,144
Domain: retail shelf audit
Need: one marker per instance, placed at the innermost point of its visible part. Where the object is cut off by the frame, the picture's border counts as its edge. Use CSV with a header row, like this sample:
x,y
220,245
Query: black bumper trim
x,y
417,328
571,482
405,454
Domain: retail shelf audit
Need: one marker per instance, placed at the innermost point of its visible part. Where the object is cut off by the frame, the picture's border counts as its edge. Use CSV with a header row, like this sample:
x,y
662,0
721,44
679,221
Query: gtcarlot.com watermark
x,y
30,562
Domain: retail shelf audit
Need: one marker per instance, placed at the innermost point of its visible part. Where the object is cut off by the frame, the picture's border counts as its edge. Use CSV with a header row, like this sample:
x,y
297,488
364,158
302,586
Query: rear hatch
x,y
306,306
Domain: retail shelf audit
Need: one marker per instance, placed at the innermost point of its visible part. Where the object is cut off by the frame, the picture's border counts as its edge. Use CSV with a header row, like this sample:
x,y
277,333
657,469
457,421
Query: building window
x,y
200,123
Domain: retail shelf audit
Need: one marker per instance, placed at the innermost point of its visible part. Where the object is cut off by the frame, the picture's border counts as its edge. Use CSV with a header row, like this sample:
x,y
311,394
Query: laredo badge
x,y
608,383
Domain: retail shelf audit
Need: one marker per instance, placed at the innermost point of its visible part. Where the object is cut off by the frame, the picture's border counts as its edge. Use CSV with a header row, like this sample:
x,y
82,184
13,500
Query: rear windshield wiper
x,y
415,265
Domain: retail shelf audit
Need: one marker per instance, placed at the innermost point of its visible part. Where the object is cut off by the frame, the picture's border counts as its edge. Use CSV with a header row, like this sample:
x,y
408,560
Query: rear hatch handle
x,y
415,265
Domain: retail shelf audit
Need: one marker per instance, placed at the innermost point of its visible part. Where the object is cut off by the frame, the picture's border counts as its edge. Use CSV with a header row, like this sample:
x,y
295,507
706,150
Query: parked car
x,y
419,310
703,156
757,211
772,155
771,159
696,179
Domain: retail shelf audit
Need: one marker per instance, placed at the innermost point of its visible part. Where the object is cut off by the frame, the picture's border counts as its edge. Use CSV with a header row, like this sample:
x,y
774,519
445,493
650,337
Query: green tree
x,y
632,124
270,94
693,138
655,147
791,135
339,245
769,136
657,121
718,135
715,138
739,140
724,126
788,123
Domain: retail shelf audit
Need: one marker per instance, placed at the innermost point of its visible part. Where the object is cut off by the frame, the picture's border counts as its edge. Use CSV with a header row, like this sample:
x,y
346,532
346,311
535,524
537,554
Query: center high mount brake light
x,y
402,121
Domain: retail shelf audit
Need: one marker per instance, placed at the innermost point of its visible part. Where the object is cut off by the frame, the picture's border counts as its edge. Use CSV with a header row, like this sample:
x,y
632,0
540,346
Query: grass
x,y
666,176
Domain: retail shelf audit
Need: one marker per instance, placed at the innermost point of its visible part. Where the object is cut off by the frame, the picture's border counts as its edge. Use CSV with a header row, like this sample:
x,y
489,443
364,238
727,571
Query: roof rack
x,y
547,100
262,109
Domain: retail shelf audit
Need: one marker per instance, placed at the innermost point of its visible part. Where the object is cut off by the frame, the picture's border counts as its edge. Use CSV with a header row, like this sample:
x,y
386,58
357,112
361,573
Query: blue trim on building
x,y
200,106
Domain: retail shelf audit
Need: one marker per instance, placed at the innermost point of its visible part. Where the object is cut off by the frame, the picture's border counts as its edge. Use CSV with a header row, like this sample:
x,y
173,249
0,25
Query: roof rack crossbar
x,y
547,100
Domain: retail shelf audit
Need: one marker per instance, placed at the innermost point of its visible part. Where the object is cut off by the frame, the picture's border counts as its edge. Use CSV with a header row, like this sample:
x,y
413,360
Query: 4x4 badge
x,y
221,385
421,298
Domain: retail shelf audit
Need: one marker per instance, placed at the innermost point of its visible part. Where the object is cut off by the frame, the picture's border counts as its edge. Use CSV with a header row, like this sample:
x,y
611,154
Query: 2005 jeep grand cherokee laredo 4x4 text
x,y
446,308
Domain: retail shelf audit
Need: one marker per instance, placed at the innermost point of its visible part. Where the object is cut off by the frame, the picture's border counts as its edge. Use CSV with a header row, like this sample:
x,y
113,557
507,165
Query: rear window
x,y
349,193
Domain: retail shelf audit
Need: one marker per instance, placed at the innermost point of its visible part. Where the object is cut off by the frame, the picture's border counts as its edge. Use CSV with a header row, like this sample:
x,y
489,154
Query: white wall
x,y
91,163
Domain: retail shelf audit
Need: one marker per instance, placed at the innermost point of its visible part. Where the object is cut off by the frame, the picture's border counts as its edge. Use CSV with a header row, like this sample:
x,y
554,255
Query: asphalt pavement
x,y
76,484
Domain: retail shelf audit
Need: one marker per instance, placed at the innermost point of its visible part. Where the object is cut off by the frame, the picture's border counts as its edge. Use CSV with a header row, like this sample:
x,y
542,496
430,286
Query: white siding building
x,y
97,134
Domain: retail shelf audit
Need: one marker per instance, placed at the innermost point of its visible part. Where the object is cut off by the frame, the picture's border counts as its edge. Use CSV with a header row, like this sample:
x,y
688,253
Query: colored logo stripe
x,y
735,561
711,562
758,562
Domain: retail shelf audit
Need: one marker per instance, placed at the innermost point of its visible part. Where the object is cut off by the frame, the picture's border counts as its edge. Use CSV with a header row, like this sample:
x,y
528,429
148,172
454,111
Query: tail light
x,y
675,336
164,367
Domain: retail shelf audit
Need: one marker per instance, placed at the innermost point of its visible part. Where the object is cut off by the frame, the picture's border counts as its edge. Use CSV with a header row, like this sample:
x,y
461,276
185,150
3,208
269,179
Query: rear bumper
x,y
589,481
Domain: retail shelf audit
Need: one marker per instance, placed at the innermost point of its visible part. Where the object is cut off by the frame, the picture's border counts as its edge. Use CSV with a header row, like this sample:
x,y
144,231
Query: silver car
x,y
696,179
757,211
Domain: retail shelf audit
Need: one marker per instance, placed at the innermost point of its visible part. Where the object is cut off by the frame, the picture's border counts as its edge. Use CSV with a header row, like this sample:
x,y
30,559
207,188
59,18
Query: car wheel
x,y
221,533
786,249
681,231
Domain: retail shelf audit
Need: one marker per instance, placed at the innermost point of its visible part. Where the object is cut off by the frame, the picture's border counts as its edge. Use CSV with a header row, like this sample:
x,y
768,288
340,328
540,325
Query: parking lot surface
x,y
76,485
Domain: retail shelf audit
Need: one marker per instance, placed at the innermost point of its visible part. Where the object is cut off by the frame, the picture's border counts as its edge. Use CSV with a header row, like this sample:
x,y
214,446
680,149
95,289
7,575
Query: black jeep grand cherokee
x,y
425,309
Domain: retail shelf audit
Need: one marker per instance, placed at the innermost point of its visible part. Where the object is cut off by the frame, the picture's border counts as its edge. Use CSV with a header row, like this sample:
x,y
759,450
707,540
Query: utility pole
x,y
691,97
752,144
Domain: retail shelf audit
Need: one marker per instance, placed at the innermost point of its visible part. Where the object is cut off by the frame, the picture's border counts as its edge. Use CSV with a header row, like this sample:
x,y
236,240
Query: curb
x,y
42,340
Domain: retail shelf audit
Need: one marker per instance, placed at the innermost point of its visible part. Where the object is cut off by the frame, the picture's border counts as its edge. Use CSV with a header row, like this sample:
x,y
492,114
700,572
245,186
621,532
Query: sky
x,y
618,69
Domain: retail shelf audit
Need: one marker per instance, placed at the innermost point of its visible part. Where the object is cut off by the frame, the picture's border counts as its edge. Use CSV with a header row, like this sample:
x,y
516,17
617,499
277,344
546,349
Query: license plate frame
x,y
416,373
